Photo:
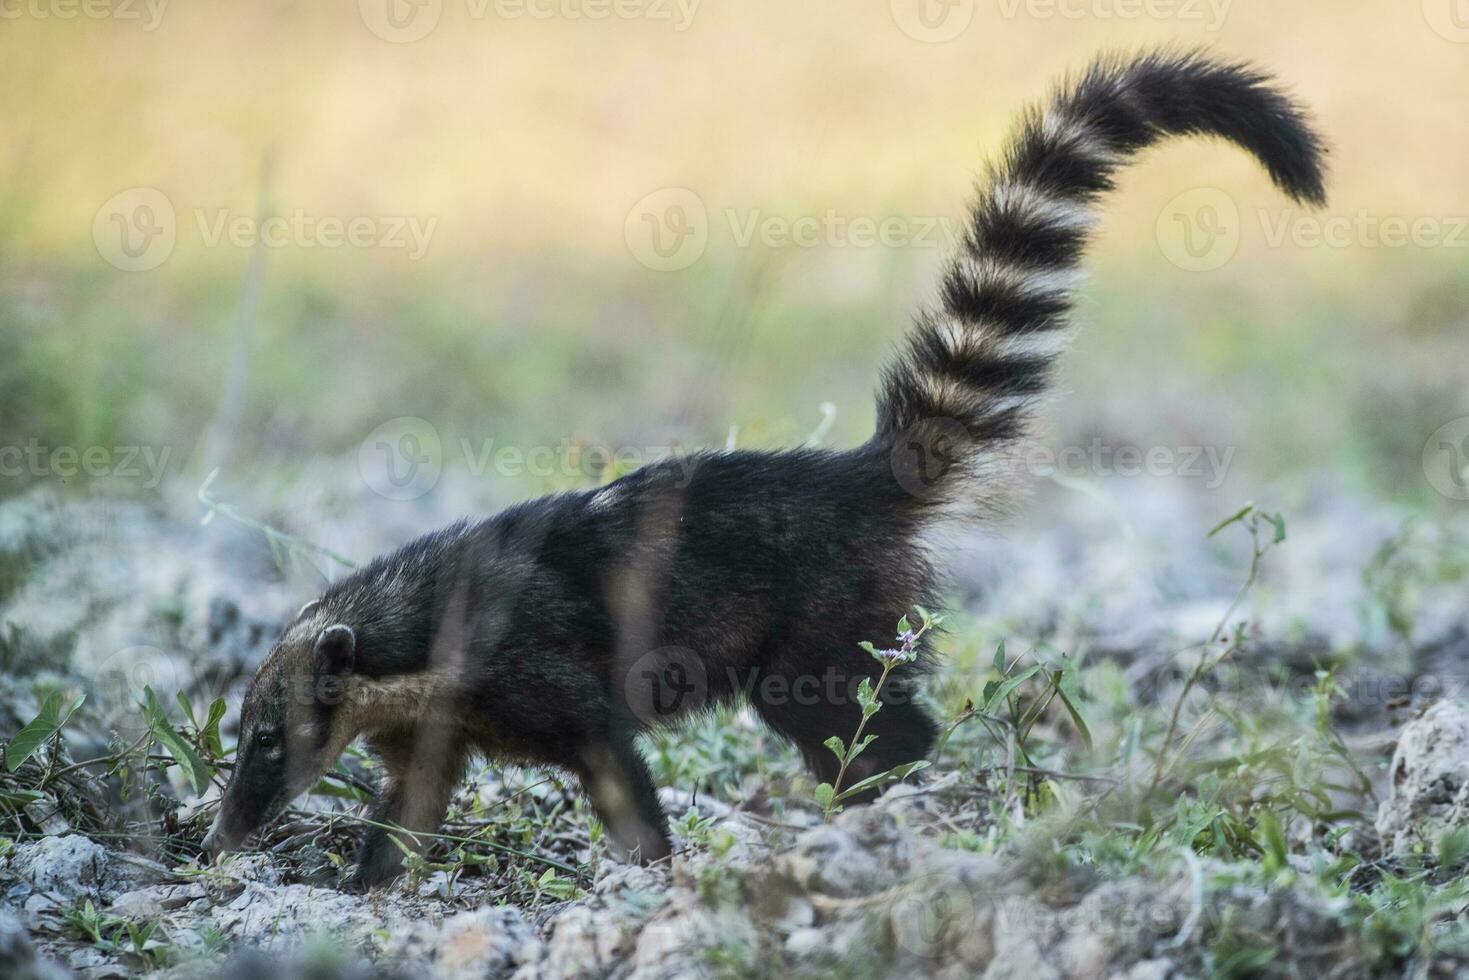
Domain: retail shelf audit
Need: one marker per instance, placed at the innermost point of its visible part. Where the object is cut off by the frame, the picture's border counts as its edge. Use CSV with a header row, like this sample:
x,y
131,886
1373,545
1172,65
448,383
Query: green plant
x,y
1255,521
830,795
119,936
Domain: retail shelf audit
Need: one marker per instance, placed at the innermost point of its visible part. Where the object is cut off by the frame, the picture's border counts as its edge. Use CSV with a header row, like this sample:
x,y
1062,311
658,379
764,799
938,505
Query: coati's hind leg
x,y
621,789
423,768
905,732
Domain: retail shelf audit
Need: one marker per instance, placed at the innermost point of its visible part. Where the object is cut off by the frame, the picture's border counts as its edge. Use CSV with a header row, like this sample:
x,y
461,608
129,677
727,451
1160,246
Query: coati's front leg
x,y
423,765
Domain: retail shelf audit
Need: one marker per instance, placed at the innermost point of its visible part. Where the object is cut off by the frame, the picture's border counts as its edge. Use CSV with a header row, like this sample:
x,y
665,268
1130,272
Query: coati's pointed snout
x,y
224,834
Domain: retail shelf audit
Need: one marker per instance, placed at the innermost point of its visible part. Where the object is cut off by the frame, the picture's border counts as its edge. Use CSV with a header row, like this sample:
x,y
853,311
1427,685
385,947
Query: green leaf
x,y
48,722
1274,842
210,734
559,888
999,662
1066,686
824,795
196,770
903,625
325,787
1234,518
857,749
18,798
188,709
1008,686
1188,829
1279,521
882,779
838,748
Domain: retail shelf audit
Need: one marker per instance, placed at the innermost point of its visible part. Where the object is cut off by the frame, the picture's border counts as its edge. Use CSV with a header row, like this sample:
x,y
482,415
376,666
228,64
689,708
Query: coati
x,y
554,632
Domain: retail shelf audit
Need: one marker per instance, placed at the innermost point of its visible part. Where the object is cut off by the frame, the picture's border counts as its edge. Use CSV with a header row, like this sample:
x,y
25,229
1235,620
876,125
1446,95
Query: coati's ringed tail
x,y
961,392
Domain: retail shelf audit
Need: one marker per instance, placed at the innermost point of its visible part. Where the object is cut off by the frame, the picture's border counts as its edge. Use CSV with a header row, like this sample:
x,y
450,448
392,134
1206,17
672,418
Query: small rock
x,y
140,903
1149,970
831,861
484,943
1429,784
64,867
154,900
252,866
806,943
582,943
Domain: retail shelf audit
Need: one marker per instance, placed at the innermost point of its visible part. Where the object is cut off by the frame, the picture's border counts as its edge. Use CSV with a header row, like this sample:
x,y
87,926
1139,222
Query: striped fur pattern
x,y
981,359
555,631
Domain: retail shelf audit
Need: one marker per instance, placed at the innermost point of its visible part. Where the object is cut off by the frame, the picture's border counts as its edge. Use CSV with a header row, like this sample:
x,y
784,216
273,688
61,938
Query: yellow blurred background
x,y
520,138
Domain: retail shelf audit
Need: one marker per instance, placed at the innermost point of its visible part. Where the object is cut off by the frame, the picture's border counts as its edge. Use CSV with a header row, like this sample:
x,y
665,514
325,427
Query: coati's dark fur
x,y
555,631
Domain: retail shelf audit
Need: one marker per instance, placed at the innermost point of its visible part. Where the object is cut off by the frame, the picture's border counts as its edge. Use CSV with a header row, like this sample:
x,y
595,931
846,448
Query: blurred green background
x,y
523,141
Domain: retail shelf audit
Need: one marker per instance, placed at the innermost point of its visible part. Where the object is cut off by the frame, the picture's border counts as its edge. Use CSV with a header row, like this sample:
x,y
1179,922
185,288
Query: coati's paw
x,y
373,871
651,850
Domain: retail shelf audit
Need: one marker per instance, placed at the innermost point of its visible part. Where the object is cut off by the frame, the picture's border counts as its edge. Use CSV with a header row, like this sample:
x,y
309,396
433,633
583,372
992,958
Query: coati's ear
x,y
335,651
307,608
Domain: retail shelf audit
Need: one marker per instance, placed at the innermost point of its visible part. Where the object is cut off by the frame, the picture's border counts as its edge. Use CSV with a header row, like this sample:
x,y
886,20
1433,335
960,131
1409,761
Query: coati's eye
x,y
265,739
